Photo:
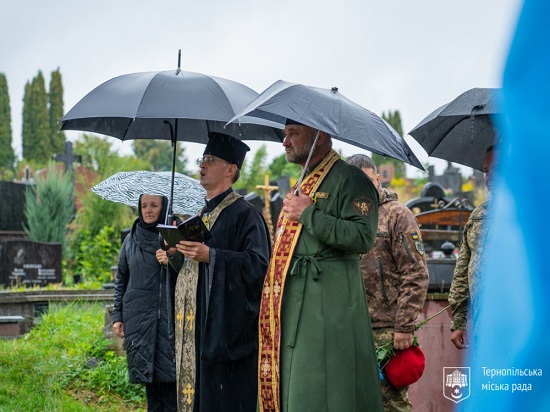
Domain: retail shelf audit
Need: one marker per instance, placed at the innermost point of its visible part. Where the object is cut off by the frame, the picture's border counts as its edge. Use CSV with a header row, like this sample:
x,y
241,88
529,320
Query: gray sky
x,y
406,55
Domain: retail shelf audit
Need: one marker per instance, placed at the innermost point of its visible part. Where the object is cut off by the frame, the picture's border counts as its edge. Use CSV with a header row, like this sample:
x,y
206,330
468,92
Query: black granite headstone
x,y
284,184
24,262
254,199
276,206
12,214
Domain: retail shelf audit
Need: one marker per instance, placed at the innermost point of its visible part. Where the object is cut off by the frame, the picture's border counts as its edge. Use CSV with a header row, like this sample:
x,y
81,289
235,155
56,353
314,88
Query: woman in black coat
x,y
143,309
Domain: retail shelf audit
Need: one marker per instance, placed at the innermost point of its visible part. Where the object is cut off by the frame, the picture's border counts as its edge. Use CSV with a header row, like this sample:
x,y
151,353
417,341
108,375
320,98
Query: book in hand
x,y
192,229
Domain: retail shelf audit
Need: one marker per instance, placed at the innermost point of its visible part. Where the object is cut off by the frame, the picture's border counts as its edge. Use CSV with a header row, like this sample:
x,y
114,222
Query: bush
x,y
64,364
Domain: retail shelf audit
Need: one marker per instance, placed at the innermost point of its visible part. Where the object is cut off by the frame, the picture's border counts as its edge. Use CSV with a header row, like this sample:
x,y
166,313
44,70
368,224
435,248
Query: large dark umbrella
x,y
331,112
171,105
462,130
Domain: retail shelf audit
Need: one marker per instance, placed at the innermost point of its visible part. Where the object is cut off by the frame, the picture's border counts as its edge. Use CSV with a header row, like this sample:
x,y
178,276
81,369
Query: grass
x,y
64,364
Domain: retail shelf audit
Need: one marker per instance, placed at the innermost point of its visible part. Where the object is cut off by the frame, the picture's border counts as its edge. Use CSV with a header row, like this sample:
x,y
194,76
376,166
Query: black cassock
x,y
228,299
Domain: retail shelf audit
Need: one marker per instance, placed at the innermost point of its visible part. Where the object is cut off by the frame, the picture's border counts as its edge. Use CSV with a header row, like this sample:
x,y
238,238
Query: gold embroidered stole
x,y
185,308
288,233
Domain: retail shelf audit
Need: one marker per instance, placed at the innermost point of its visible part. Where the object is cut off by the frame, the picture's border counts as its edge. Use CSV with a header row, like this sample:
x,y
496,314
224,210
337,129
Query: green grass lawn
x,y
63,364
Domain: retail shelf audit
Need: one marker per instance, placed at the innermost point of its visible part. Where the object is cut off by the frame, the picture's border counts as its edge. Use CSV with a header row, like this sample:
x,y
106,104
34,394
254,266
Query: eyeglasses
x,y
209,159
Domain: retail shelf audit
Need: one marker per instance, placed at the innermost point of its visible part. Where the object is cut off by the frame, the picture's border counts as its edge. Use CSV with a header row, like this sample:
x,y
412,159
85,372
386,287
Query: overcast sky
x,y
406,55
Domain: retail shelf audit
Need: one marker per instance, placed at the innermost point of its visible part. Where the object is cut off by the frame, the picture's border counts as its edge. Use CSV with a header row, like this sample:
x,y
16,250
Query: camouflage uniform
x,y
395,274
466,275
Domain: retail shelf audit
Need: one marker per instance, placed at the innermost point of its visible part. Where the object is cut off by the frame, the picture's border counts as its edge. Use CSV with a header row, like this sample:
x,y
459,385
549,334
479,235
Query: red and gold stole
x,y
287,235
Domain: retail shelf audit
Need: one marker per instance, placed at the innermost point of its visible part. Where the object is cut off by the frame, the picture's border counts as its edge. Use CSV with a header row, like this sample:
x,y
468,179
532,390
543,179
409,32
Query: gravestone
x,y
28,263
276,206
451,179
255,200
12,207
283,183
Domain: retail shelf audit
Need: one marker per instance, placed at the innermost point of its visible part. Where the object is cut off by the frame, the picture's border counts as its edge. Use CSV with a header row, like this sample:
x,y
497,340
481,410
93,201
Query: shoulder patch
x,y
363,205
417,242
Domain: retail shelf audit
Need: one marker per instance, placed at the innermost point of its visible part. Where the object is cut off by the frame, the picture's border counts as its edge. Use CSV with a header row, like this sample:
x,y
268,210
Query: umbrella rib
x,y
127,129
443,135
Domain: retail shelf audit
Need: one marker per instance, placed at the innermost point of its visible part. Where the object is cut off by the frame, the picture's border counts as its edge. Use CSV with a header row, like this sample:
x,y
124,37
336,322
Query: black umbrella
x,y
331,112
462,130
171,105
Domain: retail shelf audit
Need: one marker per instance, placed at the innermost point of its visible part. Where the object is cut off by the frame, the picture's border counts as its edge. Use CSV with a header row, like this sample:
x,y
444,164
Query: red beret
x,y
406,367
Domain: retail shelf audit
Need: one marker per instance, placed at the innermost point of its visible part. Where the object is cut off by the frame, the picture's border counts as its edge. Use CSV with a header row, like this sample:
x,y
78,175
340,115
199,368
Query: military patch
x,y
415,236
363,205
419,246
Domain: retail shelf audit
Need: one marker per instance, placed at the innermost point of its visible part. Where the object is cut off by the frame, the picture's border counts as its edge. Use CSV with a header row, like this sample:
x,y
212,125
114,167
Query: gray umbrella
x,y
126,187
462,130
171,105
331,112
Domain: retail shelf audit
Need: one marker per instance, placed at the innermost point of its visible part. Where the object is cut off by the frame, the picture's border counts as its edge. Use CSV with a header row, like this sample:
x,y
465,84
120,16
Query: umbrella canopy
x,y
167,104
171,105
462,130
126,187
331,112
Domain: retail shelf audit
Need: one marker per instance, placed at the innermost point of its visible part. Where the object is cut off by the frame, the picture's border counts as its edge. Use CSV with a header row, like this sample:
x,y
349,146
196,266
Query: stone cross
x,y
267,202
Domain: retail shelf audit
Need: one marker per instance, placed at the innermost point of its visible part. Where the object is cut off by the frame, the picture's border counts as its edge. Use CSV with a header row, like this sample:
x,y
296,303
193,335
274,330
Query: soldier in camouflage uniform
x,y
464,286
395,274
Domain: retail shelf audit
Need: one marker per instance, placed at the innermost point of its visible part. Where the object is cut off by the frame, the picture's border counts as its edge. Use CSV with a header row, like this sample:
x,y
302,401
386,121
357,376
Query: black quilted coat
x,y
144,296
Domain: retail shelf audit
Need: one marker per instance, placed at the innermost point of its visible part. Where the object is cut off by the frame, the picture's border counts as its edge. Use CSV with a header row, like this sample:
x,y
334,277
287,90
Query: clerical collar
x,y
212,203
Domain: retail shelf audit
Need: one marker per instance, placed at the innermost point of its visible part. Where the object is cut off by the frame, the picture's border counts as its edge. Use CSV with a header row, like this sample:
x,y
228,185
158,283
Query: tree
x,y
394,119
55,98
36,127
160,153
97,154
281,167
7,155
49,207
252,173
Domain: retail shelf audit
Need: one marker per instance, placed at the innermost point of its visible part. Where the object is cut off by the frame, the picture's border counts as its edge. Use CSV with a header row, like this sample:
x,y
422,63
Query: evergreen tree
x,y
49,207
55,98
7,155
36,127
160,153
394,119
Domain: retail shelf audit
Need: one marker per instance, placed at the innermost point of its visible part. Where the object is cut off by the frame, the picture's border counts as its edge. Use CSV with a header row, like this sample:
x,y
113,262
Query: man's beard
x,y
301,158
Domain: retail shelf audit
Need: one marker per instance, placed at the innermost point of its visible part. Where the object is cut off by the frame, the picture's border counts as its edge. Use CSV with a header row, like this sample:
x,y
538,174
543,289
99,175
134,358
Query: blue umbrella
x,y
331,112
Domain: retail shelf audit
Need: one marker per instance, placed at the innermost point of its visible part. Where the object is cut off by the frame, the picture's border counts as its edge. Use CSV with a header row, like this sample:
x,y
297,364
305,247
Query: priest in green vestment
x,y
316,344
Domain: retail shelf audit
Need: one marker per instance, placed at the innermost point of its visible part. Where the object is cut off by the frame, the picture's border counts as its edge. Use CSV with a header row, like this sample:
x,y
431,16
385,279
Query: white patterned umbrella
x,y
126,187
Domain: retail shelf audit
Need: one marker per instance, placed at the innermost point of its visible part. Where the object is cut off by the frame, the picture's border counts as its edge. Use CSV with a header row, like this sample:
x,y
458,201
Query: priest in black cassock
x,y
218,290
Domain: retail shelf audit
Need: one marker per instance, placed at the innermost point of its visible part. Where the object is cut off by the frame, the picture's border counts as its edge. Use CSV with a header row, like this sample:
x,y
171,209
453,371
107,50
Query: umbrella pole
x,y
173,138
306,164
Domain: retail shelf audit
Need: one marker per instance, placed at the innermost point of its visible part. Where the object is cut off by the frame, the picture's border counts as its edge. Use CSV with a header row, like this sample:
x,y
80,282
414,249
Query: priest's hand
x,y
294,205
194,250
